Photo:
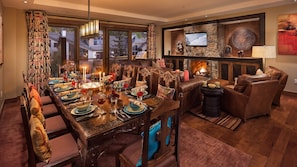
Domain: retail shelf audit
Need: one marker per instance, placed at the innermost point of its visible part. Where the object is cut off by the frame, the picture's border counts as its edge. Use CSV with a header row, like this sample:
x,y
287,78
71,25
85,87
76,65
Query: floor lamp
x,y
264,52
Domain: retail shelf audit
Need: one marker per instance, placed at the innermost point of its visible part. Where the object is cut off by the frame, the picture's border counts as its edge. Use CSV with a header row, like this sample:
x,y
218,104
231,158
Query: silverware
x,y
124,114
86,117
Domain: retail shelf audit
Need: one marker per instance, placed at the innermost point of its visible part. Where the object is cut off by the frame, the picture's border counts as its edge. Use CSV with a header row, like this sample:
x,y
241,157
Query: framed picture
x,y
287,34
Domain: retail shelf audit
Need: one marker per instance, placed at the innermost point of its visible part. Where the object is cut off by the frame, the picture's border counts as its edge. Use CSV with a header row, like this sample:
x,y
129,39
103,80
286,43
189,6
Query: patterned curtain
x,y
38,46
151,41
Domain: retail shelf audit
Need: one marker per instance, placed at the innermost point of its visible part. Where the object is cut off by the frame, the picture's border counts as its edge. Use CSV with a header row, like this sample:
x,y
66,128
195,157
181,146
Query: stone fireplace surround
x,y
217,67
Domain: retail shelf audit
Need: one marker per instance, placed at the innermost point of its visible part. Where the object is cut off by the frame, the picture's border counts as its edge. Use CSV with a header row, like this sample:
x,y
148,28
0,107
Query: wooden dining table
x,y
94,134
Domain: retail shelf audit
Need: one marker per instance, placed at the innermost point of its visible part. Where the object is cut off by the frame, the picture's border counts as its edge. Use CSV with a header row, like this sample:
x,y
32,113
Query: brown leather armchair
x,y
255,100
282,81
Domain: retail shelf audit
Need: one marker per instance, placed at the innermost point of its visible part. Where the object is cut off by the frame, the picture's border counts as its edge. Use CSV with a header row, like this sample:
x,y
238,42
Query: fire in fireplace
x,y
200,67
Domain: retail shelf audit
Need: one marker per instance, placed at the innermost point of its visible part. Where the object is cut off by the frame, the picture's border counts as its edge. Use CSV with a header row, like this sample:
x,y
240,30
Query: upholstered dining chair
x,y
166,79
159,143
129,72
144,77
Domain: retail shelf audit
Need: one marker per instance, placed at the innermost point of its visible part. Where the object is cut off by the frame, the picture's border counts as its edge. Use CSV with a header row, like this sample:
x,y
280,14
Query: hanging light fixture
x,y
91,28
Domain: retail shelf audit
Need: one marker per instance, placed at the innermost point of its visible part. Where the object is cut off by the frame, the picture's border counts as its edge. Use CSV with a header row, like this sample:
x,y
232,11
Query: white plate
x,y
127,109
59,89
66,98
135,94
90,109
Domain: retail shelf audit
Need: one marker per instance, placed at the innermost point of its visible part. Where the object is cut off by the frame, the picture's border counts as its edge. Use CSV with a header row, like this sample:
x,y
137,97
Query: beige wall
x,y
15,49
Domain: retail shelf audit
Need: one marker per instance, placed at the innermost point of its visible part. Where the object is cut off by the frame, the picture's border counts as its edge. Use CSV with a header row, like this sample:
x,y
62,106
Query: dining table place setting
x,y
55,80
61,87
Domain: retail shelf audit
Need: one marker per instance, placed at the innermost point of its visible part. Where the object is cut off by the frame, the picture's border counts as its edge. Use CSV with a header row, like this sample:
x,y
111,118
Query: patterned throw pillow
x,y
40,140
34,94
274,74
165,92
35,110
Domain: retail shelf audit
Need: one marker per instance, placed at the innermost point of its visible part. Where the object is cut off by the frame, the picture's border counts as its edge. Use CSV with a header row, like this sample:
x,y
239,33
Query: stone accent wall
x,y
212,49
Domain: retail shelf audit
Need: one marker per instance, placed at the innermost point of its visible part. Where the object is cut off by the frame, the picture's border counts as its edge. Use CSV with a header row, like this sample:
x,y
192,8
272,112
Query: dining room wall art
x,y
287,34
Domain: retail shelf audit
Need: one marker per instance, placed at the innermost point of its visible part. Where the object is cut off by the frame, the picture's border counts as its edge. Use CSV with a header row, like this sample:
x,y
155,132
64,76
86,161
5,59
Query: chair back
x,y
129,72
168,79
144,76
167,137
116,68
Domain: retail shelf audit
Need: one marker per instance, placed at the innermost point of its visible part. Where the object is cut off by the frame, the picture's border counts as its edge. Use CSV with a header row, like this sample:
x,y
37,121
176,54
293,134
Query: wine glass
x,y
140,94
101,99
113,103
126,85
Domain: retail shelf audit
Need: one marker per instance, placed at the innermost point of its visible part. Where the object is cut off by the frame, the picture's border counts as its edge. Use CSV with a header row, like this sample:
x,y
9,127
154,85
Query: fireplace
x,y
200,68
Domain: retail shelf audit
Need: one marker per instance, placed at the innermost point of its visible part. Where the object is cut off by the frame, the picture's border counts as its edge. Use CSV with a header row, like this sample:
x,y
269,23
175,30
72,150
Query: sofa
x,y
251,97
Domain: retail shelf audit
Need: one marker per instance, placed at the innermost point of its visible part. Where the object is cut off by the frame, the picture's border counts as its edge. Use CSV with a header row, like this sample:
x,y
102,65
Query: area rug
x,y
200,149
226,120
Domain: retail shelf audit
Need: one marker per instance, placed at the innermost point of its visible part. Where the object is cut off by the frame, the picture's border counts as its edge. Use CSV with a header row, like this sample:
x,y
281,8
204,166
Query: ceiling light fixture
x,y
25,1
91,28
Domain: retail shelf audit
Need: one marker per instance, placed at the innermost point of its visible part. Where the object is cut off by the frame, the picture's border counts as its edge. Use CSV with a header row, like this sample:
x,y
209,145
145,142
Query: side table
x,y
211,101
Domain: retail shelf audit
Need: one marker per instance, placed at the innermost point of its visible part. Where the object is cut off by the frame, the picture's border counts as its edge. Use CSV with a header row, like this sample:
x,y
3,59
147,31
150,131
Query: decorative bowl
x,y
71,94
83,107
134,106
212,85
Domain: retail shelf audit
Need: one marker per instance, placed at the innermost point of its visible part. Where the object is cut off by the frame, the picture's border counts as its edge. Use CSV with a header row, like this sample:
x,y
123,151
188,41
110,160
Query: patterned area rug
x,y
226,120
200,149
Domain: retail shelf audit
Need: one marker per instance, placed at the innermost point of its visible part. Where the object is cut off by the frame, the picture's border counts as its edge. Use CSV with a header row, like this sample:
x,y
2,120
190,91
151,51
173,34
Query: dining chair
x,y
129,72
144,77
61,150
116,68
167,79
160,139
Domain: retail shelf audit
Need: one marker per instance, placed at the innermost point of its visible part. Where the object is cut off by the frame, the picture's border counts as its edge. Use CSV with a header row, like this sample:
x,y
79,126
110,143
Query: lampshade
x,y
91,28
264,51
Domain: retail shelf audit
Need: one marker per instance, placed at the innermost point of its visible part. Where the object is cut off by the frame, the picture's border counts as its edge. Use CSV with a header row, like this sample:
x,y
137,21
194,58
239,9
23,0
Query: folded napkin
x,y
68,92
62,84
139,103
136,89
56,78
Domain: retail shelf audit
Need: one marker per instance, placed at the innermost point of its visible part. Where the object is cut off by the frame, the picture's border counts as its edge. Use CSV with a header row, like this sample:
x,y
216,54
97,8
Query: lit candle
x,y
99,76
103,74
84,74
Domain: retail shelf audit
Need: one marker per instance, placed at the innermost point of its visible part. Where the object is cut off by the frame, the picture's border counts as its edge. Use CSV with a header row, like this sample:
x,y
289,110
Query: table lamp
x,y
264,52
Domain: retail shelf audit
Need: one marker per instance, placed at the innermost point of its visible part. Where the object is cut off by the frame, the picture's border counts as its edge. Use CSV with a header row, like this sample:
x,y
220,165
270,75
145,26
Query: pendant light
x,y
91,28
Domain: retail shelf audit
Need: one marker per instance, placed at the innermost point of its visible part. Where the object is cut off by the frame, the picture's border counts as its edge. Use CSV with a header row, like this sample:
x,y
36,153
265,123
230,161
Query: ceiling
x,y
145,11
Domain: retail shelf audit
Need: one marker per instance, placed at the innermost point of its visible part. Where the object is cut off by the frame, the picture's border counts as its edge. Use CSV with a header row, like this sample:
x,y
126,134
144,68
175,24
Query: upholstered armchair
x,y
282,78
253,100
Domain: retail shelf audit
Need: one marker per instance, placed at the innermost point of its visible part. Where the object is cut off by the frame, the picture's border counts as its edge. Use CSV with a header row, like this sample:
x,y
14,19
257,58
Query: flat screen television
x,y
196,39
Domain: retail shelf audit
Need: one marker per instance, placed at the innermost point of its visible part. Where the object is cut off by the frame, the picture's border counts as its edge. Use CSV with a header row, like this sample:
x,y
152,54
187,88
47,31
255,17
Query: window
x,y
115,42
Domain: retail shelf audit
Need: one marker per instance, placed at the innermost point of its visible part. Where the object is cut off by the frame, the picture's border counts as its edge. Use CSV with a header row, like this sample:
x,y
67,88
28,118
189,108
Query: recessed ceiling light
x,y
25,1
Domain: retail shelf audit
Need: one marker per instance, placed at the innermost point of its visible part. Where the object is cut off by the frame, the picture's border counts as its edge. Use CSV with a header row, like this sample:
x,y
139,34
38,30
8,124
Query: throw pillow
x,y
165,92
34,94
35,110
274,74
161,63
259,72
241,83
153,143
40,140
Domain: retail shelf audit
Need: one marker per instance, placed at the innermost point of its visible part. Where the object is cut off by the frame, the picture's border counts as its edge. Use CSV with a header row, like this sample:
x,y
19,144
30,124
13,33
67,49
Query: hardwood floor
x,y
272,141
